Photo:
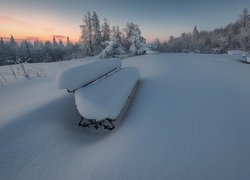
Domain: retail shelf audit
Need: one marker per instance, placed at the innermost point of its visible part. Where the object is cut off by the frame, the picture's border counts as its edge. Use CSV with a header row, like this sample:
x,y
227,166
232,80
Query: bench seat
x,y
106,98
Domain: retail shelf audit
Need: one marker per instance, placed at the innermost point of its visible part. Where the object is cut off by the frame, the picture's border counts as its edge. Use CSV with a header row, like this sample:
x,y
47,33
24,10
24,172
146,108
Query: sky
x,y
43,19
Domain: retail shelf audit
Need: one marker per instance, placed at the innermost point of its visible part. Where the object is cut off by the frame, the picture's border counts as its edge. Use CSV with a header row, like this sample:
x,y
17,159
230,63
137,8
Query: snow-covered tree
x,y
38,52
11,48
244,37
86,35
138,46
24,52
105,30
243,18
129,32
114,47
195,37
3,55
97,38
116,33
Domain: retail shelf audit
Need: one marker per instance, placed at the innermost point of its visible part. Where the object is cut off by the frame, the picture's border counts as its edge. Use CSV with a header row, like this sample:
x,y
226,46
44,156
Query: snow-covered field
x,y
189,119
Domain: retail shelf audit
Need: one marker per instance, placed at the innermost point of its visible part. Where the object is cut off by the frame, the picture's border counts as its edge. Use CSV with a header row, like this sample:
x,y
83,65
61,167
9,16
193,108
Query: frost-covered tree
x,y
138,45
116,33
11,49
105,30
69,49
244,37
57,50
129,31
38,52
195,37
97,38
3,55
243,18
114,47
24,52
86,35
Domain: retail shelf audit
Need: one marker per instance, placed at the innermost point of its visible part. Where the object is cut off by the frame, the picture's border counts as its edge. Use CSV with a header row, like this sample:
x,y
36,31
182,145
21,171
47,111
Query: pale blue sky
x,y
158,18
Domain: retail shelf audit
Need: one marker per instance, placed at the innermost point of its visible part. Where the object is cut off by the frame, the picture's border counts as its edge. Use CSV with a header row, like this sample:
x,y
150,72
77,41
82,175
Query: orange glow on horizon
x,y
44,31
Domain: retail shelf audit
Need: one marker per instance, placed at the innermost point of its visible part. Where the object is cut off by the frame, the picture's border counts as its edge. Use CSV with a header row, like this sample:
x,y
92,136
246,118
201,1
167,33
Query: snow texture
x,y
76,76
106,98
189,119
235,52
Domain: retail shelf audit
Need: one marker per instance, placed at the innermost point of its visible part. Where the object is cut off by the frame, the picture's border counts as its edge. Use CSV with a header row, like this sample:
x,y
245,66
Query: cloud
x,y
10,20
58,36
32,38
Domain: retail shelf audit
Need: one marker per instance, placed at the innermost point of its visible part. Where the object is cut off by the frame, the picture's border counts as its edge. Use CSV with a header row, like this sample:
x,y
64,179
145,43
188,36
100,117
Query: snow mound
x,y
235,52
106,98
76,76
150,51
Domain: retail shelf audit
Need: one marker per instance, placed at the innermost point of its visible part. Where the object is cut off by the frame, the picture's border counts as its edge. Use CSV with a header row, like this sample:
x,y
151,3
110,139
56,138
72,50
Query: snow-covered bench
x,y
103,90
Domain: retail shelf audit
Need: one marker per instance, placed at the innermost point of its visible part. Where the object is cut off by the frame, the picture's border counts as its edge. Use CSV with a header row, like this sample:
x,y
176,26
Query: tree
x,y
24,52
114,47
105,30
138,45
3,55
129,31
97,38
195,37
116,33
38,52
243,18
86,35
244,37
11,50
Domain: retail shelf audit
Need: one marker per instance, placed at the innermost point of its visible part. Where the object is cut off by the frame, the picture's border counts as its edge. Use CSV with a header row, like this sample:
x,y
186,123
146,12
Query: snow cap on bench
x,y
106,98
75,77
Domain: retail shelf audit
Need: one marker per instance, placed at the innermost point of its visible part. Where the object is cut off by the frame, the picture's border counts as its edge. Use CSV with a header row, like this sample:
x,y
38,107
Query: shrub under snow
x,y
113,49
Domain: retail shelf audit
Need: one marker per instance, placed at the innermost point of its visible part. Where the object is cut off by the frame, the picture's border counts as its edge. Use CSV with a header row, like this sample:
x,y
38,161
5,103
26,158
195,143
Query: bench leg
x,y
109,126
106,123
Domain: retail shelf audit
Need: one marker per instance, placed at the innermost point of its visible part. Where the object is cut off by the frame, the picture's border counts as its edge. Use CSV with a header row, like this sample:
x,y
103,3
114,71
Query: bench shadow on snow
x,y
58,119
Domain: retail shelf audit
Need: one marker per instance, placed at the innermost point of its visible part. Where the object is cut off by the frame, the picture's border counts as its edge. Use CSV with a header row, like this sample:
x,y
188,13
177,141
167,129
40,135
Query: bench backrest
x,y
75,77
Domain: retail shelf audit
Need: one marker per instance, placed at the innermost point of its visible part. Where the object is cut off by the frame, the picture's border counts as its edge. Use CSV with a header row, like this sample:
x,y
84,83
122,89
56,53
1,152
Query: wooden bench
x,y
103,91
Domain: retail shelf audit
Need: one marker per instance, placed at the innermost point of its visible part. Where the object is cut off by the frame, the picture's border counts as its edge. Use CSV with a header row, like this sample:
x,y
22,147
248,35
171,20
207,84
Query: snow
x,y
35,70
235,52
76,76
248,59
114,48
189,119
150,51
106,98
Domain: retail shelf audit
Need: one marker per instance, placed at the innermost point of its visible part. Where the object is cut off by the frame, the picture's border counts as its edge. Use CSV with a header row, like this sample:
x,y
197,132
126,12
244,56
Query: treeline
x,y
110,41
233,36
96,39
12,52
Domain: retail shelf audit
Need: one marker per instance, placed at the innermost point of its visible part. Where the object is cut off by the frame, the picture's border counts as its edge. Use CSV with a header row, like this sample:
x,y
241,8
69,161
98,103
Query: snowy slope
x,y
189,119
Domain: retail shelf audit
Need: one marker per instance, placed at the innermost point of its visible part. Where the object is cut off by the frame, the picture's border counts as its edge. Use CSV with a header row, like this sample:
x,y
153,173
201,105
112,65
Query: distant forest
x,y
105,41
233,36
99,39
